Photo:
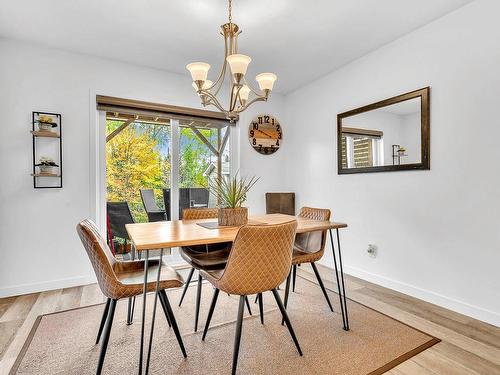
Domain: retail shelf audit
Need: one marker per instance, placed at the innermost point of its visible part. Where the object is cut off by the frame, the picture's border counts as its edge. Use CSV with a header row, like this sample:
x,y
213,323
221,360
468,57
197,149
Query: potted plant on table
x,y
46,165
231,193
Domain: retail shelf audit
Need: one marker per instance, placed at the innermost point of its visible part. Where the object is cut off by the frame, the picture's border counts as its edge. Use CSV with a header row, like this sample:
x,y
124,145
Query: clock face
x,y
265,134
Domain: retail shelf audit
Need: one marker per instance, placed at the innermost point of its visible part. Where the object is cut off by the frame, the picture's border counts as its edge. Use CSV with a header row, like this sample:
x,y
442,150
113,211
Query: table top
x,y
162,234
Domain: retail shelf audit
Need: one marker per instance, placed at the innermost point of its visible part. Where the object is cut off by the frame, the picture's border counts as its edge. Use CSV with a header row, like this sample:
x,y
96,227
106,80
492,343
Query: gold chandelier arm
x,y
213,100
234,97
248,104
220,79
251,88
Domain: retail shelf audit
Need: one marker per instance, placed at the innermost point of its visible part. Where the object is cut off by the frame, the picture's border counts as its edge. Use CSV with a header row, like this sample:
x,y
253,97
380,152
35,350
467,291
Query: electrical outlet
x,y
372,250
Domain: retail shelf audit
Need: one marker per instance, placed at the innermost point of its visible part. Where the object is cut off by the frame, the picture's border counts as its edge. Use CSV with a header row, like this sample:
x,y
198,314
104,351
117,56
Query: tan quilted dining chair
x,y
207,257
259,261
309,248
119,280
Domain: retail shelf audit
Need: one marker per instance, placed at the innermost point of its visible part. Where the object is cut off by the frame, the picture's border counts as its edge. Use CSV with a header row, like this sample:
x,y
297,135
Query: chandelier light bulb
x,y
198,70
244,93
266,80
238,63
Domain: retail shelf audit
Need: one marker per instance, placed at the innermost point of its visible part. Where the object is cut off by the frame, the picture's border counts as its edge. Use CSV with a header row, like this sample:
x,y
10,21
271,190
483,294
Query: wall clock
x,y
265,134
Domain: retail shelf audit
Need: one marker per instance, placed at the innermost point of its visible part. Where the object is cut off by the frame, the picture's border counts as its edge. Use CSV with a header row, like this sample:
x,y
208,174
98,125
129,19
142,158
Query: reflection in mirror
x,y
386,135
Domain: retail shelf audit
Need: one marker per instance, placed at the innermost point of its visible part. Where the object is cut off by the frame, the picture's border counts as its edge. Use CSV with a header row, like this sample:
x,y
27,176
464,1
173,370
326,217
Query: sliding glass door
x,y
164,164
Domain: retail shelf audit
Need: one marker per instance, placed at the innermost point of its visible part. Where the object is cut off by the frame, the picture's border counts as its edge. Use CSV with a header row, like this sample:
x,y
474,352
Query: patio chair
x,y
154,212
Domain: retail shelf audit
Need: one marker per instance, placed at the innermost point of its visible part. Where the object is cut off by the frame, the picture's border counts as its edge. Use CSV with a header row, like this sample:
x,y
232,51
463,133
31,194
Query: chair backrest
x,y
101,258
154,212
260,258
149,201
118,215
200,213
312,242
280,203
198,195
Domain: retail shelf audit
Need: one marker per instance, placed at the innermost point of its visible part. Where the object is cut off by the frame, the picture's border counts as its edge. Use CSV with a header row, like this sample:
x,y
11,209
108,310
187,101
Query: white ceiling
x,y
298,40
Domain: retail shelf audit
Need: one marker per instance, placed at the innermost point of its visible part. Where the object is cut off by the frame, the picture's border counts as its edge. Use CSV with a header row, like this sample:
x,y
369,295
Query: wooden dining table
x,y
177,233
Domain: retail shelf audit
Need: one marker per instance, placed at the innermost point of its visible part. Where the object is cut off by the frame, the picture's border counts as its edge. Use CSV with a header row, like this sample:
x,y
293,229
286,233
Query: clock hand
x,y
264,133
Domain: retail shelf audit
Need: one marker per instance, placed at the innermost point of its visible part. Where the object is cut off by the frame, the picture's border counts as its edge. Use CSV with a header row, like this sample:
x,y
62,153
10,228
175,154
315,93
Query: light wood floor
x,y
468,346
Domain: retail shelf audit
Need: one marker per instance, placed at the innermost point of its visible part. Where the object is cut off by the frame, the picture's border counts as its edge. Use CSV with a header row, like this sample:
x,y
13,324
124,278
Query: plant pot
x,y
45,127
46,169
123,248
233,217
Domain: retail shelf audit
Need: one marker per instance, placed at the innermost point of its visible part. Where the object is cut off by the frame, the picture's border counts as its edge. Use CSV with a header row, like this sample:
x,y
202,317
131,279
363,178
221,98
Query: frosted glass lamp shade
x,y
266,81
198,70
238,63
244,93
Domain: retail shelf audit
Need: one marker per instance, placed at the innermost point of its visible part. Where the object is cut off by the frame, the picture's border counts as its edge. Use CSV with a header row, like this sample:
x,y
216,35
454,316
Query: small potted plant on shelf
x,y
46,165
46,123
231,193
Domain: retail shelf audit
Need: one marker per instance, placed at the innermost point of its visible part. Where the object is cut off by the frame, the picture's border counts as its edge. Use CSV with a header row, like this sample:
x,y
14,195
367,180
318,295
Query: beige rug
x,y
63,343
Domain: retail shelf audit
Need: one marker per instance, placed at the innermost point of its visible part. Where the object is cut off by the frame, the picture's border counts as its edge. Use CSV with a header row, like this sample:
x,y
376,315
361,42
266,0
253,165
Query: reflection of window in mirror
x,y
362,148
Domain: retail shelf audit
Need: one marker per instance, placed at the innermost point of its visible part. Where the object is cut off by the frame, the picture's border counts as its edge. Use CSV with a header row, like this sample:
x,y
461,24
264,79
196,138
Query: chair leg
x,y
320,282
129,311
237,336
173,322
103,320
287,292
107,331
261,308
248,305
198,300
210,313
285,317
186,286
294,277
132,311
164,307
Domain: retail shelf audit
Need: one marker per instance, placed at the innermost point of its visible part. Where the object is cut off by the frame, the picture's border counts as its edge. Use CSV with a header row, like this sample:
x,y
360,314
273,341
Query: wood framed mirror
x,y
390,135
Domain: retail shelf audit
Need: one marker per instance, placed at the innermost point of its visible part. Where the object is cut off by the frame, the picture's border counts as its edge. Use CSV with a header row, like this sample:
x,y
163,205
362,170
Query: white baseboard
x,y
475,312
18,290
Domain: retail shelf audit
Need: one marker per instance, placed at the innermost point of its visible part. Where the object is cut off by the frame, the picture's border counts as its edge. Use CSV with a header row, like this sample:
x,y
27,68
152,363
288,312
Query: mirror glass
x,y
383,136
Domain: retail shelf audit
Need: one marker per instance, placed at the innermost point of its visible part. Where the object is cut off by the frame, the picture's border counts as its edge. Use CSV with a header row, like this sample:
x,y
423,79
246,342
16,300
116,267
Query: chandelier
x,y
242,94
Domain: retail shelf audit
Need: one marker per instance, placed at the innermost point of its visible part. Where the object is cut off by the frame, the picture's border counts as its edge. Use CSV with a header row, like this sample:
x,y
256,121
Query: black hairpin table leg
x,y
340,287
143,322
148,358
343,283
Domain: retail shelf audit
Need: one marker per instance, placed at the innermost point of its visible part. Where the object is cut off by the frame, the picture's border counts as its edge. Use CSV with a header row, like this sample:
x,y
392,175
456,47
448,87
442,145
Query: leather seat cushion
x,y
206,260
131,277
300,256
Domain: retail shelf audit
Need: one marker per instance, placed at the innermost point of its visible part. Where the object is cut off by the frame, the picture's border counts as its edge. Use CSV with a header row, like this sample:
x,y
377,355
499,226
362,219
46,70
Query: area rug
x,y
63,342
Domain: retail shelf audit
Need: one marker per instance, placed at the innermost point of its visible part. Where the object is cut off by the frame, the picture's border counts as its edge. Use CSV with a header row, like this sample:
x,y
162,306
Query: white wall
x,y
437,231
38,243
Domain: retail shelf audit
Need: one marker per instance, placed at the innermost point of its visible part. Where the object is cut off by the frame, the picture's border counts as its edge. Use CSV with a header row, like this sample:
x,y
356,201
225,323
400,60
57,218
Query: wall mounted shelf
x,y
45,134
51,146
45,175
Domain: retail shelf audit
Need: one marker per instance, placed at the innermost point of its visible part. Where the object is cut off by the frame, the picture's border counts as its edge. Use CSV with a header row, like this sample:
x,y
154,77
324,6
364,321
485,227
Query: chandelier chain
x,y
230,10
